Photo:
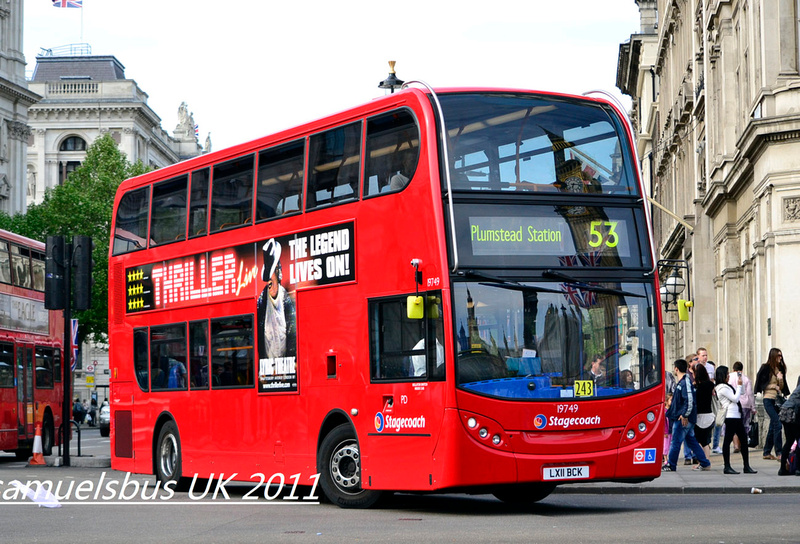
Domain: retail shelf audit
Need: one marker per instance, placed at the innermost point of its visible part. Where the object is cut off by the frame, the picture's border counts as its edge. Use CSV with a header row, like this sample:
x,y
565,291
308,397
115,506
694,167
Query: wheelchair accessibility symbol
x,y
643,456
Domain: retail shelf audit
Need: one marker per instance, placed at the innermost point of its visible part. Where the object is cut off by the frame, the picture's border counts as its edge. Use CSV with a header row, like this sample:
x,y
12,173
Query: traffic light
x,y
683,309
83,264
54,292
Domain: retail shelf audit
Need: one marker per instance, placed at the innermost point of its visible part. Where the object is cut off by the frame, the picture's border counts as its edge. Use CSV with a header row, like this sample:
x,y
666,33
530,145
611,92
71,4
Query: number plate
x,y
566,473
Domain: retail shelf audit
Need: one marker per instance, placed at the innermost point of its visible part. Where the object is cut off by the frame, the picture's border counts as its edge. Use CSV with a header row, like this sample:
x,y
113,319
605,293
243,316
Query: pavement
x,y
688,481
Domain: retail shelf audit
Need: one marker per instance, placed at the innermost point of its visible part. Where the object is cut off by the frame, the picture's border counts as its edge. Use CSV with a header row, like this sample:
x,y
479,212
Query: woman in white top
x,y
729,399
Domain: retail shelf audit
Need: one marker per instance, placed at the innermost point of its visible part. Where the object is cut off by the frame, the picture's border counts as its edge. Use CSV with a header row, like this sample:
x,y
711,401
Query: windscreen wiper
x,y
494,281
549,273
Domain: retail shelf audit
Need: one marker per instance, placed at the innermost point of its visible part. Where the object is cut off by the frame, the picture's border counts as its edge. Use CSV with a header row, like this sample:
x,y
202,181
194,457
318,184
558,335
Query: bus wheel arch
x,y
167,461
339,465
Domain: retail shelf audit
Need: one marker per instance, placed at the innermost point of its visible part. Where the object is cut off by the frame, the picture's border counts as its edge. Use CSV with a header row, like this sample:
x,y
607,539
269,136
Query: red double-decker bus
x,y
438,290
31,390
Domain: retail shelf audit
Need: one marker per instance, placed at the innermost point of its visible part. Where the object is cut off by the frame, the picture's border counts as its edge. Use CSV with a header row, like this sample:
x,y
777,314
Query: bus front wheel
x,y
523,493
339,464
168,457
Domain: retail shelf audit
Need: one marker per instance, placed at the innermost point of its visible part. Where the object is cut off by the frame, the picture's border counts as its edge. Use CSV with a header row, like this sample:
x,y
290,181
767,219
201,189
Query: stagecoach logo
x,y
398,424
540,422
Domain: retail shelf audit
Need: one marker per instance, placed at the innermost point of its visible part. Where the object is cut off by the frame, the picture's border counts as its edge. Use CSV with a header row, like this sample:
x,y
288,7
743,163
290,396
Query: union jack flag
x,y
197,130
589,298
569,260
572,294
591,259
67,3
74,343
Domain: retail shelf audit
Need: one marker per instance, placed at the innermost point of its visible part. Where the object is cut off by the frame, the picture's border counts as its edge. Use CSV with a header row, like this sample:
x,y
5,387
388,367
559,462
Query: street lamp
x,y
675,284
671,291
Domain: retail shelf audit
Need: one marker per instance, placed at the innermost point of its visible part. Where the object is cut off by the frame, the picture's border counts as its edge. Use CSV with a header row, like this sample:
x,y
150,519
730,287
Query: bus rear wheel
x,y
339,463
523,493
168,457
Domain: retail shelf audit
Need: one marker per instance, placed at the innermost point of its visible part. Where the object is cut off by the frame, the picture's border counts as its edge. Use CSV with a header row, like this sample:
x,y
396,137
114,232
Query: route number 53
x,y
603,231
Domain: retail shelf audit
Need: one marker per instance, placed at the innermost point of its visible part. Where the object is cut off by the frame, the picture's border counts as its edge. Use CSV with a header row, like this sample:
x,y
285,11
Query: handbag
x,y
779,400
752,435
787,415
719,406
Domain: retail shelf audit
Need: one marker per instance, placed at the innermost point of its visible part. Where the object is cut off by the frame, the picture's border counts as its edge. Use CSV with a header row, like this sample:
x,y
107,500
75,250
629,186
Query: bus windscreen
x,y
548,340
524,143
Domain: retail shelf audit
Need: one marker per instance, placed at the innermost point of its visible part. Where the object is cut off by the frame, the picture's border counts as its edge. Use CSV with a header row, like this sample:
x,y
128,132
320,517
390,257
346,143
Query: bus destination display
x,y
546,236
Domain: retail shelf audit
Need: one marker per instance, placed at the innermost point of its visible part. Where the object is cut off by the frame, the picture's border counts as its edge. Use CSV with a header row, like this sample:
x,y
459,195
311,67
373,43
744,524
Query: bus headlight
x,y
631,434
642,427
472,423
483,433
496,440
651,417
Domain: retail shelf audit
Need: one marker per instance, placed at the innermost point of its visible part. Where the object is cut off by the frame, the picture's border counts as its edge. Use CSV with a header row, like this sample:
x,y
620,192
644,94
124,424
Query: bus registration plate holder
x,y
579,472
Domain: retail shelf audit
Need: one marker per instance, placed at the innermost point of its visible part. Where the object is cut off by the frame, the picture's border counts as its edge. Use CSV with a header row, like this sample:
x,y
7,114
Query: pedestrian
x,y
729,401
747,400
691,361
683,415
711,369
791,426
771,383
78,413
669,389
704,388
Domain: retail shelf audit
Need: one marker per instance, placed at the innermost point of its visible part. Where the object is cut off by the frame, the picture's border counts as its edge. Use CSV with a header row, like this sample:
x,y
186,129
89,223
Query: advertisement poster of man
x,y
277,326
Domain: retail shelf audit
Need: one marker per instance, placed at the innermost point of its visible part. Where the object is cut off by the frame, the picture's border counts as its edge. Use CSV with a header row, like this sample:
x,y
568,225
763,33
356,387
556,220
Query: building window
x,y
65,168
73,143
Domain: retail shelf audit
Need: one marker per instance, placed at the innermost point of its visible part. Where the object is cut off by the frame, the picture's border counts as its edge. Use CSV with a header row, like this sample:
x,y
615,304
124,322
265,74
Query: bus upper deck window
x,y
334,164
5,263
21,265
168,220
232,194
37,270
392,152
130,230
198,203
280,180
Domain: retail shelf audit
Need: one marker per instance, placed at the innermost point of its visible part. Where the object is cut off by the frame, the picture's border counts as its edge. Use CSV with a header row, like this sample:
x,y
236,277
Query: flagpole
x,y
81,23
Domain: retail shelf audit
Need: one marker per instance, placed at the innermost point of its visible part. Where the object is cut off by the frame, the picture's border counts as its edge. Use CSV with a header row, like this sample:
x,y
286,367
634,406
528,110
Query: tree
x,y
83,205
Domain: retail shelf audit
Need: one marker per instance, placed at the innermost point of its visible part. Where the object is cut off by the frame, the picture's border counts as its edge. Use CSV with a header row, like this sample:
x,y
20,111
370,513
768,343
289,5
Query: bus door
x,y
9,424
25,408
408,391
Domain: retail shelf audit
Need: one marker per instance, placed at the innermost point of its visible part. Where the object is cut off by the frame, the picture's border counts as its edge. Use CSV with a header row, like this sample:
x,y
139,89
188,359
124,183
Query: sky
x,y
248,68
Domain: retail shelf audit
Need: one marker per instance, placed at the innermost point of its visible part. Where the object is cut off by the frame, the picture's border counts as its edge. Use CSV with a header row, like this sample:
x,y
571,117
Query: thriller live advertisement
x,y
268,272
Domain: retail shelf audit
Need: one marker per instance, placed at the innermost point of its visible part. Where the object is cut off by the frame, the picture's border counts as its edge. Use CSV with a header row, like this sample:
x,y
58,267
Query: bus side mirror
x,y
683,309
415,307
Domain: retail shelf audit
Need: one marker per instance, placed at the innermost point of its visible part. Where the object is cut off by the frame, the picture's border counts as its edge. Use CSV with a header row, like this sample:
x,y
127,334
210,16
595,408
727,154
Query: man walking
x,y
683,416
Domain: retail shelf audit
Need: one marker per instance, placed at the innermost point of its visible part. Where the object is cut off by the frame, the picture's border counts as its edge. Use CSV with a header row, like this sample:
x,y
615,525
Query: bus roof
x,y
21,240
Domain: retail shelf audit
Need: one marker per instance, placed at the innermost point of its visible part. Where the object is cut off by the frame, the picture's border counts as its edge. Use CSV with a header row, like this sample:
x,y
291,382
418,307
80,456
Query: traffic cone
x,y
38,454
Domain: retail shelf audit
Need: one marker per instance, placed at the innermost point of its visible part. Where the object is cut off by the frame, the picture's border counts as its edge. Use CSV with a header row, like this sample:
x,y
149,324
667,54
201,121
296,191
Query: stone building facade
x,y
716,104
83,97
15,100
